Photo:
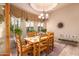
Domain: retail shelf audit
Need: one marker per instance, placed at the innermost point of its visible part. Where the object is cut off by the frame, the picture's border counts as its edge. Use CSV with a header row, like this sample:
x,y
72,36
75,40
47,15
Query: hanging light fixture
x,y
43,8
43,15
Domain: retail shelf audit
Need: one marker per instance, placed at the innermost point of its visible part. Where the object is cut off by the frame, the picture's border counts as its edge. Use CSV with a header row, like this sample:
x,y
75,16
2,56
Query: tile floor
x,y
71,49
62,48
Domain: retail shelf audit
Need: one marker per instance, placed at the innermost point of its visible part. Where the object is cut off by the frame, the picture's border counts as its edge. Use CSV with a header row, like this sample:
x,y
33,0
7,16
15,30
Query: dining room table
x,y
34,40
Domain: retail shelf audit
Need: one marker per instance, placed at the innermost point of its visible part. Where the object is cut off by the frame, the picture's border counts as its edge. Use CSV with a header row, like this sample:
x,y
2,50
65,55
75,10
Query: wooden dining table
x,y
34,40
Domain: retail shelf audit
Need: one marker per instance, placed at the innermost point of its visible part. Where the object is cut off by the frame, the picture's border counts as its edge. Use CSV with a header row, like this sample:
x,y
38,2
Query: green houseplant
x,y
11,28
43,30
31,32
18,31
30,29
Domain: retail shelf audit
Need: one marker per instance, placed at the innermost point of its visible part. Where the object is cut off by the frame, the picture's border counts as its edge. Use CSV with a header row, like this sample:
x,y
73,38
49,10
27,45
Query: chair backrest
x,y
43,41
50,33
42,44
18,44
30,34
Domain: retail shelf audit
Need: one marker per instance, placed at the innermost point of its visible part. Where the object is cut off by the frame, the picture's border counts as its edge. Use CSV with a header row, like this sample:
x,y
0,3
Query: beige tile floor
x,y
71,49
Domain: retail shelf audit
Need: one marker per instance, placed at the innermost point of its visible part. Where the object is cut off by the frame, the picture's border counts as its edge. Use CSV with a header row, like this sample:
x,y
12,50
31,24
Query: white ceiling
x,y
40,7
27,7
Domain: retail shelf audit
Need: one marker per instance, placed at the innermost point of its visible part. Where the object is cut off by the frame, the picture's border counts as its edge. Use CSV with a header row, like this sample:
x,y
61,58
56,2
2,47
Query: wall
x,y
2,31
2,37
69,16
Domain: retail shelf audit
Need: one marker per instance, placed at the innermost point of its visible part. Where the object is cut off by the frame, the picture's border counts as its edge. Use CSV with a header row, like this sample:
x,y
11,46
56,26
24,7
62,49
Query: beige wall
x,y
2,31
69,16
2,37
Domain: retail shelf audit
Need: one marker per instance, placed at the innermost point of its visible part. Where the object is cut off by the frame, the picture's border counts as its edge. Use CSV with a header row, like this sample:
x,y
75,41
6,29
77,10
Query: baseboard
x,y
68,40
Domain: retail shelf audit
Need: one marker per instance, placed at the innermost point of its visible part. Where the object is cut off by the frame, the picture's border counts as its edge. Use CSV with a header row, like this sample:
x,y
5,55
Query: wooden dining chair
x,y
42,45
31,34
50,42
23,49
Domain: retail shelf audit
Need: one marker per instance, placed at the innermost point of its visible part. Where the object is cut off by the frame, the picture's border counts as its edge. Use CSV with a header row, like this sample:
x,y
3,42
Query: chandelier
x,y
43,15
43,8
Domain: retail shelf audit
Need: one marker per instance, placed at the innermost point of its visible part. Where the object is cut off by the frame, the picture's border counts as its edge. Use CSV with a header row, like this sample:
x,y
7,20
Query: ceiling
x,y
27,7
40,7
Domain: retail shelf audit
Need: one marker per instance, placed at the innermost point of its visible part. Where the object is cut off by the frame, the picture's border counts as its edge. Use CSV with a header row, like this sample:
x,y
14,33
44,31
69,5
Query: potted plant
x,y
31,31
12,30
18,32
43,30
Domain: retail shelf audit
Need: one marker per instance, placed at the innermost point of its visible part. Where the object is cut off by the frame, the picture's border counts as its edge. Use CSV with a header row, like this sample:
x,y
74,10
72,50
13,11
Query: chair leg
x,y
47,52
17,53
52,46
39,53
26,54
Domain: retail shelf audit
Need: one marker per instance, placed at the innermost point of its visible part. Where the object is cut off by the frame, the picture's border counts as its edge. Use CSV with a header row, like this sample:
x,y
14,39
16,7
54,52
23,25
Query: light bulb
x,y
43,17
39,17
41,14
46,15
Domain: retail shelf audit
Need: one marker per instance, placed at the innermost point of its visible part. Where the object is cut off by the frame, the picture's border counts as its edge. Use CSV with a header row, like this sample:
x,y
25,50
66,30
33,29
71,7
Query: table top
x,y
34,39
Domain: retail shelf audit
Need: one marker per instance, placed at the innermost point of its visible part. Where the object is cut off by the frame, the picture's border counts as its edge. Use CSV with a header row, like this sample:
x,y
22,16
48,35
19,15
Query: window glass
x,y
2,31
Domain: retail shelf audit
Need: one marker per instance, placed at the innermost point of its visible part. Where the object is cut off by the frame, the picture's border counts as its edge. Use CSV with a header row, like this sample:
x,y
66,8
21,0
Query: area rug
x,y
58,47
